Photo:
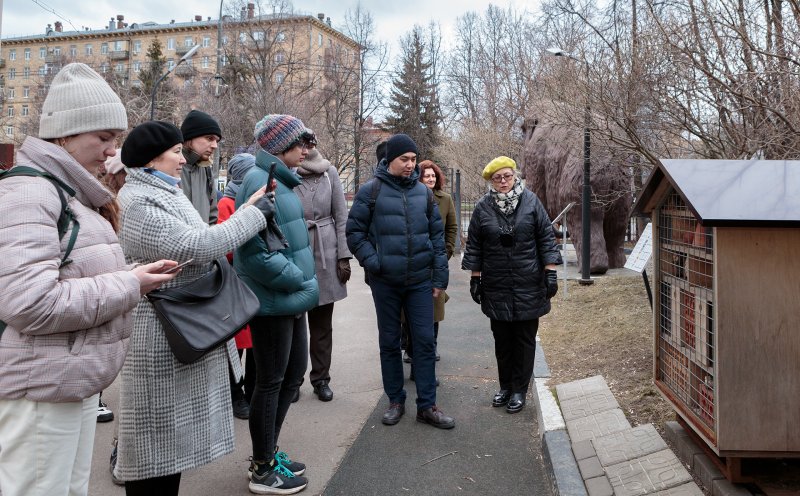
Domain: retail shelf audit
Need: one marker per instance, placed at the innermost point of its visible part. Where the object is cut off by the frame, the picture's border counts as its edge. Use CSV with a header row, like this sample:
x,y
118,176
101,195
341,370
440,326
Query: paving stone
x,y
689,489
706,470
590,468
686,449
723,487
599,486
628,444
582,387
648,474
673,431
560,465
589,404
599,424
583,449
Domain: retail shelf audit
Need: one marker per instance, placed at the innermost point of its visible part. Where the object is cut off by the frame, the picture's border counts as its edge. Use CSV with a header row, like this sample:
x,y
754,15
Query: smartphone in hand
x,y
178,267
270,187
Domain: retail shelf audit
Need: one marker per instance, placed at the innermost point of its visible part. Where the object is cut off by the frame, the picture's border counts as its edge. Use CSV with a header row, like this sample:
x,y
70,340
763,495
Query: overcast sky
x,y
392,18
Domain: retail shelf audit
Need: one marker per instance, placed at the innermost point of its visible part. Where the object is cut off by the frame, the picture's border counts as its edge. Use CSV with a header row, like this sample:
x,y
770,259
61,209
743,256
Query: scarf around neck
x,y
507,202
172,181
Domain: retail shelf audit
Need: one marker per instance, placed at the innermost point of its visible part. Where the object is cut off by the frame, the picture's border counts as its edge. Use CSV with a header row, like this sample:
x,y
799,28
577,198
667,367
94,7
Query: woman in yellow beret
x,y
512,254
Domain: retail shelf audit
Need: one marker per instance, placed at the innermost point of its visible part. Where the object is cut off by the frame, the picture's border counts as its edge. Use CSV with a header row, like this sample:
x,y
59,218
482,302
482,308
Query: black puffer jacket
x,y
512,277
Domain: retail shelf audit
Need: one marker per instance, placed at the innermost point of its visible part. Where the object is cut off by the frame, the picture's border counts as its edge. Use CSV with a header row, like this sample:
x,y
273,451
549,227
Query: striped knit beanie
x,y
275,133
80,101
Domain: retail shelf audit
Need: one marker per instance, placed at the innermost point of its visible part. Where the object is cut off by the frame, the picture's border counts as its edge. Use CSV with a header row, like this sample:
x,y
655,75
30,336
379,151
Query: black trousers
x,y
166,485
320,342
515,349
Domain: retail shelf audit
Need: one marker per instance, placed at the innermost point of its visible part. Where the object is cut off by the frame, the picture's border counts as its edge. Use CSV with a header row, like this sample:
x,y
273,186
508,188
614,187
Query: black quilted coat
x,y
511,253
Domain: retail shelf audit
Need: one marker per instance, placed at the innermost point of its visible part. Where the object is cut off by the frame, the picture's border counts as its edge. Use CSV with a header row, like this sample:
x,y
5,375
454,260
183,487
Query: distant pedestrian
x,y
395,232
325,210
512,254
201,134
66,296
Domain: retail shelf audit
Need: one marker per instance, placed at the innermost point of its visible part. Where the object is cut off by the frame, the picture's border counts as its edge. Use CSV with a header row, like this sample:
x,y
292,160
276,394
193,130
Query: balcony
x,y
183,49
119,55
184,70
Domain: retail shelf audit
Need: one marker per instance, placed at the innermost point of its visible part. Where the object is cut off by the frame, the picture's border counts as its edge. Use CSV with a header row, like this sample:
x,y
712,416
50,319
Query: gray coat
x,y
199,185
325,210
173,416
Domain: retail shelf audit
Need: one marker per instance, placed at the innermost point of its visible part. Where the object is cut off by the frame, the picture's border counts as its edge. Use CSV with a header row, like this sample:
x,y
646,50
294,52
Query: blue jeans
x,y
280,350
417,303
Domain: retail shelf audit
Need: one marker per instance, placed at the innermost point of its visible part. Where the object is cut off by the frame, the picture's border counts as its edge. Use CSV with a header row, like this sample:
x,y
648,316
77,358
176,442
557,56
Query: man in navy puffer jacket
x,y
399,240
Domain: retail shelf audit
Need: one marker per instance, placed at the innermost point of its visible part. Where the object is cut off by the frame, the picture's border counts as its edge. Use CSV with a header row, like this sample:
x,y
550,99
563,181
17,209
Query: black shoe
x,y
323,391
411,377
296,396
406,358
436,418
516,403
394,413
501,398
241,409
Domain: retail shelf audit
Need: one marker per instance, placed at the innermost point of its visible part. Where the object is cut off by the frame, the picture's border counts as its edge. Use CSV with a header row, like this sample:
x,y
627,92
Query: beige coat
x,y
68,328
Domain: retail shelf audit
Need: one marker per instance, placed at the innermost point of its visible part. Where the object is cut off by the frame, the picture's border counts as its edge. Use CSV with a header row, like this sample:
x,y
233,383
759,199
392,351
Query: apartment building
x,y
303,48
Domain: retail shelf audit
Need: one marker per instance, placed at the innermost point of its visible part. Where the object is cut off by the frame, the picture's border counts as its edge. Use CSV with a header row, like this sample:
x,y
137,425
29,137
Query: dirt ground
x,y
606,329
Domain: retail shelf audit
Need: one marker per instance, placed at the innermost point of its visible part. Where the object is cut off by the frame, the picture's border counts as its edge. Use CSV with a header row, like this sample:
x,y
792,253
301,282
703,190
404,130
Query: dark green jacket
x,y
284,280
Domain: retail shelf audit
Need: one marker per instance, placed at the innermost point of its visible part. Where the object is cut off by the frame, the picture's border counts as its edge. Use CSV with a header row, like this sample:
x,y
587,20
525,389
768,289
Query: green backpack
x,y
66,218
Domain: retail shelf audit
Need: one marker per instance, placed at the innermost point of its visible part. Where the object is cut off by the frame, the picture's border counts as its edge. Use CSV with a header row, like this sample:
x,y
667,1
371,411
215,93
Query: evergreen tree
x,y
414,105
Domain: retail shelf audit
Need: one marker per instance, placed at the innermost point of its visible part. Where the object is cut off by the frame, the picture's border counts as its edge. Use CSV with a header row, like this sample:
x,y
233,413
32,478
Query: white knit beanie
x,y
80,101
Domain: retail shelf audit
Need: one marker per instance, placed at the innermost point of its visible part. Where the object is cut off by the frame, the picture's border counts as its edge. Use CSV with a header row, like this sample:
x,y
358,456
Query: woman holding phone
x,y
173,416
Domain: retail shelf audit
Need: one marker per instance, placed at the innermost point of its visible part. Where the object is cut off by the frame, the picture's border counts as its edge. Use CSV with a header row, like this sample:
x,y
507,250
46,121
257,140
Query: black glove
x,y
551,282
267,206
475,288
343,270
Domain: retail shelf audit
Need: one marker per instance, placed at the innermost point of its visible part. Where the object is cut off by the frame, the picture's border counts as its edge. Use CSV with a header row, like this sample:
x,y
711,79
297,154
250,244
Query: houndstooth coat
x,y
173,416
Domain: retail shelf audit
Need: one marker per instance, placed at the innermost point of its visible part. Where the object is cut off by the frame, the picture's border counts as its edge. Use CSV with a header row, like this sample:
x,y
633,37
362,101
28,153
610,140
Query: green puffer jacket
x,y
284,280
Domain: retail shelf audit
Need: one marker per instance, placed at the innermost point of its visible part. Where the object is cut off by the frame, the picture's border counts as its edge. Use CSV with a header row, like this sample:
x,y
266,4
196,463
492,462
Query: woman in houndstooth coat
x,y
173,416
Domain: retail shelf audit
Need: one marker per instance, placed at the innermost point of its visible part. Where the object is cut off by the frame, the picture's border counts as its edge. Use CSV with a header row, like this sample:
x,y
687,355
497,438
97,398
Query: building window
x,y
137,46
319,39
12,54
279,57
42,52
10,111
9,130
73,51
120,67
279,77
170,64
26,92
25,111
242,37
42,71
137,66
27,54
12,73
281,36
10,93
206,41
104,67
57,51
103,48
258,35
206,62
225,39
26,72
188,41
170,43
88,49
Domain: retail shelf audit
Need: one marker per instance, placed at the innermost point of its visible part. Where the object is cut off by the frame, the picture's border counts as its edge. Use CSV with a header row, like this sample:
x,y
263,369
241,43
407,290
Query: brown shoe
x,y
436,418
393,413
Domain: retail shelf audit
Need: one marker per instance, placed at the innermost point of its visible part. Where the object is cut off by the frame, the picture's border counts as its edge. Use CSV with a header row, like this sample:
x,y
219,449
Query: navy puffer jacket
x,y
512,277
397,242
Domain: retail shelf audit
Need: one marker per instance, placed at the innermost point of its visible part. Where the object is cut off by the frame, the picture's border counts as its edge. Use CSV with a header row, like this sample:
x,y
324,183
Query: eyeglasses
x,y
505,177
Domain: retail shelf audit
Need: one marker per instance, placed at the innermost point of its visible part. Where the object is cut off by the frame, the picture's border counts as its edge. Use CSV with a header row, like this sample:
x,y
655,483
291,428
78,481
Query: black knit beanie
x,y
149,140
199,123
398,145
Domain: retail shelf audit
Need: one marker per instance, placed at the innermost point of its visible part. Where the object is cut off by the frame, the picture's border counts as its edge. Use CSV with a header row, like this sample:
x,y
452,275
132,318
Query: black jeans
x,y
167,485
280,349
515,349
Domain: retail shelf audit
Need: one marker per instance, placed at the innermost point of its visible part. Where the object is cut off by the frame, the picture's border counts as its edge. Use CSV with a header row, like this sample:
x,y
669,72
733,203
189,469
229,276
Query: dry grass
x,y
606,329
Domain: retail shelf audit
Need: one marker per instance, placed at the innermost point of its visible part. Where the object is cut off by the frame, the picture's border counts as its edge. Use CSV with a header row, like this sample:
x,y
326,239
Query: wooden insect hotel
x,y
726,306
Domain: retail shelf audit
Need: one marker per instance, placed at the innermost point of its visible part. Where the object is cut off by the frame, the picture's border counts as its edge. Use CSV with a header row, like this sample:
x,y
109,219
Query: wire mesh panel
x,y
685,339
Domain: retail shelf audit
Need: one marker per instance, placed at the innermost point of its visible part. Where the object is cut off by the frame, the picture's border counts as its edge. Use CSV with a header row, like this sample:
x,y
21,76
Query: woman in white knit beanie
x,y
65,294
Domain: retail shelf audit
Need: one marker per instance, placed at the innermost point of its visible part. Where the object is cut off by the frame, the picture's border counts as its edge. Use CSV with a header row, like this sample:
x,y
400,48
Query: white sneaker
x,y
104,414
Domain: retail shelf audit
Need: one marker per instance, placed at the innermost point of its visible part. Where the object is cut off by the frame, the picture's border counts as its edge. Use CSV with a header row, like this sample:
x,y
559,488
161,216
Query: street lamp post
x,y
586,193
218,75
183,59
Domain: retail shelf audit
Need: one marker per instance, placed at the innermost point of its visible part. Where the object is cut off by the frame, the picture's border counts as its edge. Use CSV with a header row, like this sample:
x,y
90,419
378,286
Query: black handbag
x,y
199,316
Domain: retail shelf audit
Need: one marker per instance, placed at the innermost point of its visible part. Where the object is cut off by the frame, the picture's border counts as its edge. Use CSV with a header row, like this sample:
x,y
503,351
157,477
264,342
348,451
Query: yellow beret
x,y
495,165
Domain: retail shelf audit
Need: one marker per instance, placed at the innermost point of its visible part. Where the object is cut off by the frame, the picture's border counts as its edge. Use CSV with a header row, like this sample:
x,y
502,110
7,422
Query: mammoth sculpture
x,y
553,166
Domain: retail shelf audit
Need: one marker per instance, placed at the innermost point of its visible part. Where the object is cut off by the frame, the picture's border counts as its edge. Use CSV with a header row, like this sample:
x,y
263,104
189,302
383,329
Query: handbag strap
x,y
195,290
